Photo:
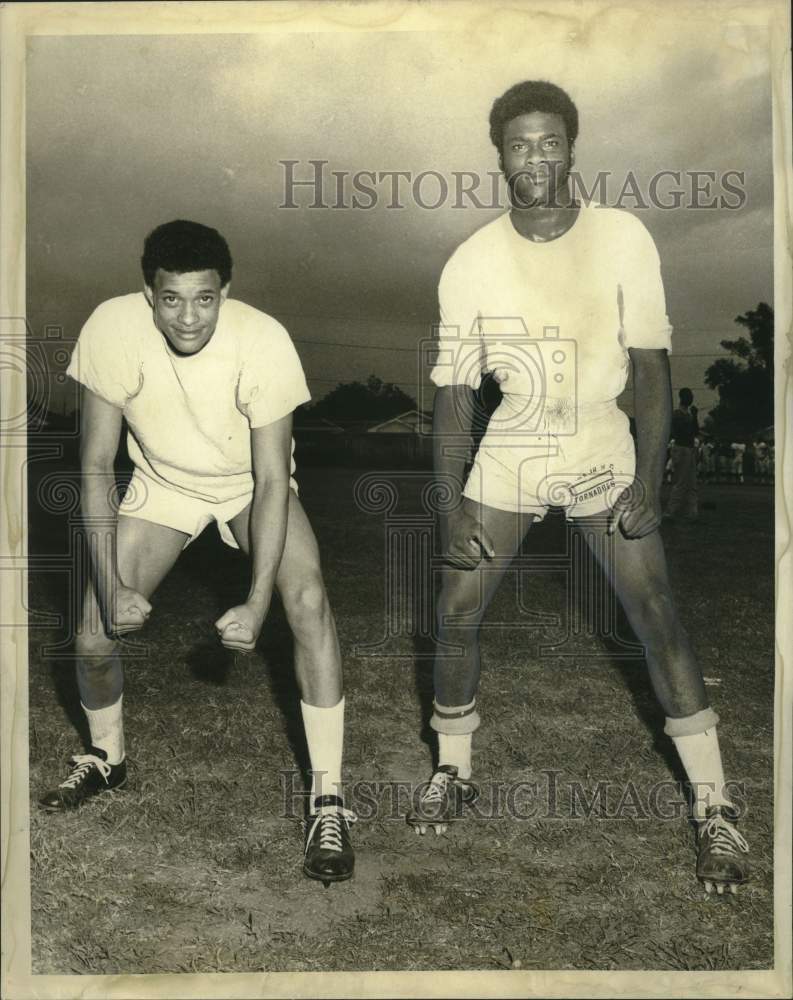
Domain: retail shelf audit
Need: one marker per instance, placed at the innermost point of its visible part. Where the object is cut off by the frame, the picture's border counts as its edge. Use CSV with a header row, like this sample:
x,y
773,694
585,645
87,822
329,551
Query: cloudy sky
x,y
127,131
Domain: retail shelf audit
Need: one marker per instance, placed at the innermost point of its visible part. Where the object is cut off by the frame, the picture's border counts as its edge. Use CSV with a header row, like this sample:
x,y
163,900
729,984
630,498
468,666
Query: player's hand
x,y
637,511
466,541
239,627
128,611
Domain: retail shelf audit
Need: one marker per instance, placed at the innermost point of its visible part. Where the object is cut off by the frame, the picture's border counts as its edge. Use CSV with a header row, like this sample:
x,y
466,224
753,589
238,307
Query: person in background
x,y
685,427
736,466
668,467
709,459
761,461
724,451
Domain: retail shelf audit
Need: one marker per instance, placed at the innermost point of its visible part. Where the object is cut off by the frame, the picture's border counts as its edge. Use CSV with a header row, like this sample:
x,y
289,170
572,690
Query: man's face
x,y
186,307
536,157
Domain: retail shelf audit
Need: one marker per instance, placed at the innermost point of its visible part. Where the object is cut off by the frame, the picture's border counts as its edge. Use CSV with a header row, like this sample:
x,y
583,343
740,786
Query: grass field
x,y
195,866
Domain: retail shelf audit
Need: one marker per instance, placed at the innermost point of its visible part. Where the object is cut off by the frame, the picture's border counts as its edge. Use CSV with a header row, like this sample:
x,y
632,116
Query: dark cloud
x,y
125,132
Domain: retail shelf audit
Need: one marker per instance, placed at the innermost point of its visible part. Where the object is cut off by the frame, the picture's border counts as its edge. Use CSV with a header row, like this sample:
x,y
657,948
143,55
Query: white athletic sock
x,y
325,737
107,730
455,749
700,756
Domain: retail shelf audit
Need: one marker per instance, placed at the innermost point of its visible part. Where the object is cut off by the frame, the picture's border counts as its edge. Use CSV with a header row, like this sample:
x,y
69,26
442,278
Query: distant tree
x,y
352,402
746,386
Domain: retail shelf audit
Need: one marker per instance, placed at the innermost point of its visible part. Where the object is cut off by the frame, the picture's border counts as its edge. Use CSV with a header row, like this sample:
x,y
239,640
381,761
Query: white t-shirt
x,y
563,312
190,417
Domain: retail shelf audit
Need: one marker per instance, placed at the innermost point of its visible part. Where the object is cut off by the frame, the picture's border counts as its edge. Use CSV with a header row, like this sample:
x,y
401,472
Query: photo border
x,y
22,20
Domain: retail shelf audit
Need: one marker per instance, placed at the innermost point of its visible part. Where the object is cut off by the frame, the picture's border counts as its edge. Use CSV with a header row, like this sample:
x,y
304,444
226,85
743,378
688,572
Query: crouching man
x,y
207,386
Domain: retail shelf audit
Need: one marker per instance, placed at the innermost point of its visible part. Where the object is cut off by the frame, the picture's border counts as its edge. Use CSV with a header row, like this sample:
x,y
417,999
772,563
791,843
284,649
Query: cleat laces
x,y
723,837
82,764
330,829
437,787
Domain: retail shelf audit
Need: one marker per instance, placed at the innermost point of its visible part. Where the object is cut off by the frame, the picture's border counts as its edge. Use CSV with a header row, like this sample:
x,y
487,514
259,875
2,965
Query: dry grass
x,y
194,868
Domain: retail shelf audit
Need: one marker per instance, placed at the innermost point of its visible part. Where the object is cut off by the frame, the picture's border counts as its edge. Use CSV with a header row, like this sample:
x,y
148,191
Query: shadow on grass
x,y
635,676
224,572
277,648
633,672
424,647
64,682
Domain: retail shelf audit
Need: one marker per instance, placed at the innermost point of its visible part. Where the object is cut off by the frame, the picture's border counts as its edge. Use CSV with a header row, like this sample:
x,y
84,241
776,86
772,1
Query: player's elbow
x,y
270,483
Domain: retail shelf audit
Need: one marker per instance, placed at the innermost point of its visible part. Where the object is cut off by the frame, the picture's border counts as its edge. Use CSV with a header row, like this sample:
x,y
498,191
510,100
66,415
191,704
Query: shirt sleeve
x,y
102,360
458,349
643,305
271,382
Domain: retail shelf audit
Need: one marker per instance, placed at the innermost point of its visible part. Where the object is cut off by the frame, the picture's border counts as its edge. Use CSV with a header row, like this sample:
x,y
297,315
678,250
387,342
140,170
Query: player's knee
x,y
93,645
306,604
460,605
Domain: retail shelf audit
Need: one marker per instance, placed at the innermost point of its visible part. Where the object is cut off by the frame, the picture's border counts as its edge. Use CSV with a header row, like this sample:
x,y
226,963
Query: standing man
x,y
736,465
685,427
582,287
762,460
709,459
724,450
207,386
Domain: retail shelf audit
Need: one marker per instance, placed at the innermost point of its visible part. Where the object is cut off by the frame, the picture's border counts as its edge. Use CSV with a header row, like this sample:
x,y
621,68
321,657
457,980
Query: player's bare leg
x,y
464,597
329,855
637,570
145,554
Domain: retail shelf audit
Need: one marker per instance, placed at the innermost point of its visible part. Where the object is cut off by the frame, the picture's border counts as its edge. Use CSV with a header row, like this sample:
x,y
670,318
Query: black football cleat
x,y
720,859
90,774
441,801
329,856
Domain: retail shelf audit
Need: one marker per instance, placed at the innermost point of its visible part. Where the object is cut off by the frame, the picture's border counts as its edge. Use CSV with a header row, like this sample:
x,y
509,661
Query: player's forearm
x,y
100,519
269,515
652,396
451,433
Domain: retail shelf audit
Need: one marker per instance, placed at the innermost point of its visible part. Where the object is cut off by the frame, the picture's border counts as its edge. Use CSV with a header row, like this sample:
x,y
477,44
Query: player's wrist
x,y
108,591
463,525
459,520
258,602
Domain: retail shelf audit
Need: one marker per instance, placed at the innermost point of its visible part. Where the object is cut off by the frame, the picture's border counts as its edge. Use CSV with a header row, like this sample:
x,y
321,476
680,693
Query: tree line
x,y
744,382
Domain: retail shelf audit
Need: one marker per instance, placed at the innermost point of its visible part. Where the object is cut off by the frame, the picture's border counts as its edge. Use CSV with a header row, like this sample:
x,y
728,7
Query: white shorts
x,y
583,473
149,500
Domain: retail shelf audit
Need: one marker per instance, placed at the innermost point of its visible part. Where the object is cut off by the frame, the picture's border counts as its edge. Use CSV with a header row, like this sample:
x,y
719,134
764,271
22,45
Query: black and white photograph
x,y
396,483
